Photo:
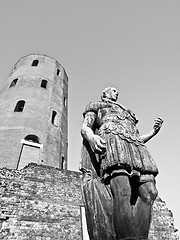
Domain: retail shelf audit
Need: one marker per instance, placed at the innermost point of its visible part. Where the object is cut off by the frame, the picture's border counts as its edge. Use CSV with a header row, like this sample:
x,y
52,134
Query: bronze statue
x,y
119,172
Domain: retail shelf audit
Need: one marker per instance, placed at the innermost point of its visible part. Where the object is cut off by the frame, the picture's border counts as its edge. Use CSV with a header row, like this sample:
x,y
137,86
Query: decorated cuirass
x,y
112,118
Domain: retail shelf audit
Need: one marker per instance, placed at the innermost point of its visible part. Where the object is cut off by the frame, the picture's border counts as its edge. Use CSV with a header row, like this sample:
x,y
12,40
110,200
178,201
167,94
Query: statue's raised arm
x,y
157,126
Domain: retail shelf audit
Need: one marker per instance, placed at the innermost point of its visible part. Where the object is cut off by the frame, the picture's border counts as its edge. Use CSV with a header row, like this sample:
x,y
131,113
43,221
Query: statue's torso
x,y
113,119
124,146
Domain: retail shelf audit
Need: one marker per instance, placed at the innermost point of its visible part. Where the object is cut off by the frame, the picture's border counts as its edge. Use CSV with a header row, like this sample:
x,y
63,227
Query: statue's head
x,y
110,93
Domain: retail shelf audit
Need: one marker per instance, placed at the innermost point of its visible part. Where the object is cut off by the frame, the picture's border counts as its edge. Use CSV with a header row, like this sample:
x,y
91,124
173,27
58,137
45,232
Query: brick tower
x,y
33,114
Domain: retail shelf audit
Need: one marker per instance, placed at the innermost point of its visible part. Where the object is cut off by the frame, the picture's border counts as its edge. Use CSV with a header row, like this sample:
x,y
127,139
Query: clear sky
x,y
131,45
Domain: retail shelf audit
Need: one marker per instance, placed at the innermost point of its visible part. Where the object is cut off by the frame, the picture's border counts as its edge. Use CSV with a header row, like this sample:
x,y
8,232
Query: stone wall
x,y
43,203
162,226
40,202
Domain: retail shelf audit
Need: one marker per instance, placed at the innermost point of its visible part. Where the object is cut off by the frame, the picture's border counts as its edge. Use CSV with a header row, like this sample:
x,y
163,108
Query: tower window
x,y
13,83
35,63
65,102
54,118
19,106
62,163
58,72
32,138
44,83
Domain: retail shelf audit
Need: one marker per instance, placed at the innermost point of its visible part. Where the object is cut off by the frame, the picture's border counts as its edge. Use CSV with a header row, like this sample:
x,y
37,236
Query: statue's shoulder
x,y
132,116
94,106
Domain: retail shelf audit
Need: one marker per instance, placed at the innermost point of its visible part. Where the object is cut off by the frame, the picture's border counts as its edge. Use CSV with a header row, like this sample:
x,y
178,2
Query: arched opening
x,y
62,163
65,102
35,63
30,151
19,106
13,83
32,138
44,83
58,72
54,118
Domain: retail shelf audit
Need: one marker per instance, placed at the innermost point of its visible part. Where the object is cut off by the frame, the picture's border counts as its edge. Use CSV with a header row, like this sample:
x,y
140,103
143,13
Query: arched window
x,y
13,83
62,163
30,151
65,102
35,63
54,119
58,72
19,106
44,83
32,138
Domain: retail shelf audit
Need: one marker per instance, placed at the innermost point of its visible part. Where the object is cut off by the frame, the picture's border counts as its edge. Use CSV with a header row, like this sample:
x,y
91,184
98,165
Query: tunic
x,y
125,150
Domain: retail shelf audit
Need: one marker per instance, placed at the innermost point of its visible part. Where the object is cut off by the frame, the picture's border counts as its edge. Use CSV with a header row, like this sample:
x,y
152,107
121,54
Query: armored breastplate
x,y
119,122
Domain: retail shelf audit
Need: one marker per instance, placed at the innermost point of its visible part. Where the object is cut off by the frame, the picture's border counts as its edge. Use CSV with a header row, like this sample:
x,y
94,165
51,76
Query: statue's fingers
x,y
160,119
158,122
98,149
157,125
101,146
102,141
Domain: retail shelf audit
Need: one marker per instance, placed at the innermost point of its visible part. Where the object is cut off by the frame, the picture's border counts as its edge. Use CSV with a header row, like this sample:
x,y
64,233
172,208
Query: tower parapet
x,y
33,114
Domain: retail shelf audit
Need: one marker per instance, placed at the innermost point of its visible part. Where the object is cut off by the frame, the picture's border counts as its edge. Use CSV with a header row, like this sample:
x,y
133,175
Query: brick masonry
x,y
43,203
36,118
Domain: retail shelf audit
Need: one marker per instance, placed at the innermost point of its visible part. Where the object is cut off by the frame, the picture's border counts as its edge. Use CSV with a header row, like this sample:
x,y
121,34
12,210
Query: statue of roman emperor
x,y
119,172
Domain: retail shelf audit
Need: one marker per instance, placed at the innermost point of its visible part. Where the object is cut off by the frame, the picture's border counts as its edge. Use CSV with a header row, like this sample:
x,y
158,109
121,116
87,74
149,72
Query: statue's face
x,y
112,94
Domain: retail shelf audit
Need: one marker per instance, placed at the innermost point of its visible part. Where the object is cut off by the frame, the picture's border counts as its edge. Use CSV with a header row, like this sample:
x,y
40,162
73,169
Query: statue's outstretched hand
x,y
97,144
157,125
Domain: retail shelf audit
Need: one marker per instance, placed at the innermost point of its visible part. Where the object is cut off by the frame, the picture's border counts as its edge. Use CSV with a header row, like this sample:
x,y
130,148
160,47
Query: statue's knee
x,y
146,198
148,193
154,194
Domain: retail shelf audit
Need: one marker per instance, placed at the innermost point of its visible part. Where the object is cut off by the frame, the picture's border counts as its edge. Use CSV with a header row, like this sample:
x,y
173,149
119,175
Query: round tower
x,y
33,114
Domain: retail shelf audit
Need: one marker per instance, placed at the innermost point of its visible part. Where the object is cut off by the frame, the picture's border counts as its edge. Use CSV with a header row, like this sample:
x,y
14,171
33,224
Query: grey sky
x,y
131,45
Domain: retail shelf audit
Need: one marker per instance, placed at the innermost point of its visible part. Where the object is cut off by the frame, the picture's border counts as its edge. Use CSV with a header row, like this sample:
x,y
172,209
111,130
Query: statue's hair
x,y
105,91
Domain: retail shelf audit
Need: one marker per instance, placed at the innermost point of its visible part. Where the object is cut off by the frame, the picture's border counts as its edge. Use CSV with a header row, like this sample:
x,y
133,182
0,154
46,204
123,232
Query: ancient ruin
x,y
40,198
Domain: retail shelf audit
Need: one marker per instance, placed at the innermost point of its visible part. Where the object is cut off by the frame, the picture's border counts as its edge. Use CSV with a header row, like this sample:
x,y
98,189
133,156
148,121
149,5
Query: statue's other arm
x,y
157,126
96,142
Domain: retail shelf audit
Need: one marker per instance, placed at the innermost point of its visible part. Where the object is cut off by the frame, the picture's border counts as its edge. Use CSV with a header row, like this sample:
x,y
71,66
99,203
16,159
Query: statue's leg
x,y
122,209
143,207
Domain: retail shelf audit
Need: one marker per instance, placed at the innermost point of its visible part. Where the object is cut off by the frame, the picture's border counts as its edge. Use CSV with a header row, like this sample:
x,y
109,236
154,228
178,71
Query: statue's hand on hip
x,y
98,145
